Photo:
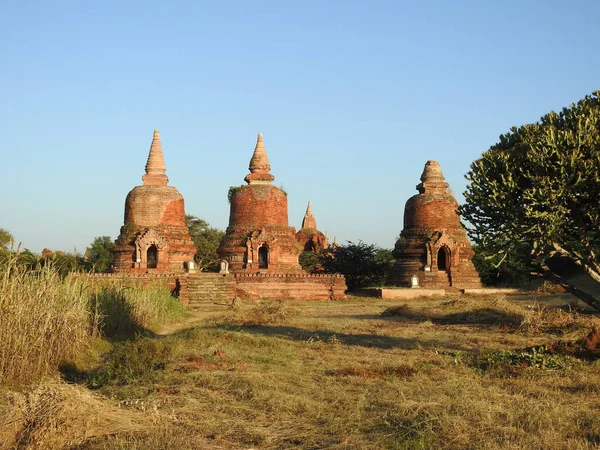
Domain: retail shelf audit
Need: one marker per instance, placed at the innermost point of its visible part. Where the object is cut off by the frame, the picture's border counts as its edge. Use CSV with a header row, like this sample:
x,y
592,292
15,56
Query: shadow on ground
x,y
363,340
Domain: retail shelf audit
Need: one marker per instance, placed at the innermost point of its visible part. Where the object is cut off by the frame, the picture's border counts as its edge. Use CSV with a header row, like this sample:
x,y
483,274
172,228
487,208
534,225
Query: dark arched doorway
x,y
443,260
152,257
263,257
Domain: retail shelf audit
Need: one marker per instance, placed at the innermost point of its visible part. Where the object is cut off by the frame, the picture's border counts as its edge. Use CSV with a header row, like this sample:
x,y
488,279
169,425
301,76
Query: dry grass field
x,y
456,372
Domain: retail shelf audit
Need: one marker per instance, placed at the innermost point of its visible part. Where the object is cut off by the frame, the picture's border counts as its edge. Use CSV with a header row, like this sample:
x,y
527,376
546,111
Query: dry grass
x,y
44,320
55,415
497,311
120,310
259,312
47,320
340,375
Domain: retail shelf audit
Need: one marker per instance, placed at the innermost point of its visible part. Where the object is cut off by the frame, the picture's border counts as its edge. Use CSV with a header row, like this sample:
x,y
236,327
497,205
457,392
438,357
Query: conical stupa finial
x,y
432,179
260,160
432,172
309,220
259,164
155,166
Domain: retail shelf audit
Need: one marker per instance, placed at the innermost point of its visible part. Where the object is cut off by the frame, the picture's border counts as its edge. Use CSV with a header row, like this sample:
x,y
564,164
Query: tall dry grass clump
x,y
44,320
119,310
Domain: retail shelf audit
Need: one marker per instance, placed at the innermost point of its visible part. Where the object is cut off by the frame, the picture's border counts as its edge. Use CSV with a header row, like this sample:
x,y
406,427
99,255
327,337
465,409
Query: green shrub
x,y
134,360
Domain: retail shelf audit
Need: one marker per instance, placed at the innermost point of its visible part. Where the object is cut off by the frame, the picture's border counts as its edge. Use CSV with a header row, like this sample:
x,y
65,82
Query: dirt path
x,y
194,318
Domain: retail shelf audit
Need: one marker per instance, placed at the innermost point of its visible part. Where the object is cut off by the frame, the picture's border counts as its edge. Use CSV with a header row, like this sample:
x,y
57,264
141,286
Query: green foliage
x,y
513,271
536,191
232,191
206,239
363,265
65,263
512,363
309,261
5,239
133,361
100,256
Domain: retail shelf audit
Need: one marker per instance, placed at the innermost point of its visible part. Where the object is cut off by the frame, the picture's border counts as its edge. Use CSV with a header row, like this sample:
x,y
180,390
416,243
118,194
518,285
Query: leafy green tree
x,y
64,263
206,239
538,189
362,264
5,239
99,256
309,261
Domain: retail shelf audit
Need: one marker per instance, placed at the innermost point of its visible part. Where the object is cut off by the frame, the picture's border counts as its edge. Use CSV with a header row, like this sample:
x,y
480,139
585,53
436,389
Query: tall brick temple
x,y
259,238
433,245
154,237
309,237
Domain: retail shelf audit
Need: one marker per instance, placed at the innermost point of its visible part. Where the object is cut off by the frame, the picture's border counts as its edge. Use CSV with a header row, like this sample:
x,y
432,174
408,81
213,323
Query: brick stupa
x,y
258,238
154,237
433,245
309,237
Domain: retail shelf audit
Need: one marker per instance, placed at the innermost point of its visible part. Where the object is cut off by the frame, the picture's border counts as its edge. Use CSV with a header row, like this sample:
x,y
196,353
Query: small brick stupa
x,y
433,245
309,237
258,238
154,237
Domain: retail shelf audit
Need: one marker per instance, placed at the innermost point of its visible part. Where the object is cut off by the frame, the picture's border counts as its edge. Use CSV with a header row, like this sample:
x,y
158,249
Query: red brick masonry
x,y
268,286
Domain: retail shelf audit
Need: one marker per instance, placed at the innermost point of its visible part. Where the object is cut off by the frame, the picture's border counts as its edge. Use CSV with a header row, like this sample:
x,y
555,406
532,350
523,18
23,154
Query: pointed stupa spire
x,y
259,165
309,220
155,166
432,178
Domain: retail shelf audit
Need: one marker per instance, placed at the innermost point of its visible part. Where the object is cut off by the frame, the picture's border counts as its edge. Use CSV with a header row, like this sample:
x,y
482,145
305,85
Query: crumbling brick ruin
x,y
433,246
309,237
259,238
154,237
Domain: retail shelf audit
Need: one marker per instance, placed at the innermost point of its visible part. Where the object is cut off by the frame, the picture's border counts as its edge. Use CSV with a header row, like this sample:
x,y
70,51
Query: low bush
x,y
137,360
510,363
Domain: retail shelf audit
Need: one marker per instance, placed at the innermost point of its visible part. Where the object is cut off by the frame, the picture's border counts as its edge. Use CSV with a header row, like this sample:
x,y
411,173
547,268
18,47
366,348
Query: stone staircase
x,y
209,289
444,278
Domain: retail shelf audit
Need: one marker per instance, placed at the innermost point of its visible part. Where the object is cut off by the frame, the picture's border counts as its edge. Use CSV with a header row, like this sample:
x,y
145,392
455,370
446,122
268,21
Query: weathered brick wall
x,y
257,205
298,287
260,209
431,211
160,208
149,206
281,287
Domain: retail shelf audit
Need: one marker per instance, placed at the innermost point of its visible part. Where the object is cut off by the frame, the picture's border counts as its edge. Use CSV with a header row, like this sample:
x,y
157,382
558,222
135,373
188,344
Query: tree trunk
x,y
570,287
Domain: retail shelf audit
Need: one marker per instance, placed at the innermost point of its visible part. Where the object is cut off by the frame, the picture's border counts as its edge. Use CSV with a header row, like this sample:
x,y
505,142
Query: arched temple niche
x,y
151,250
263,257
152,257
443,259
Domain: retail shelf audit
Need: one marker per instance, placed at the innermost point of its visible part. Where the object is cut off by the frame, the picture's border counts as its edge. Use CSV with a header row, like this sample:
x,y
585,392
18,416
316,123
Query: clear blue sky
x,y
353,97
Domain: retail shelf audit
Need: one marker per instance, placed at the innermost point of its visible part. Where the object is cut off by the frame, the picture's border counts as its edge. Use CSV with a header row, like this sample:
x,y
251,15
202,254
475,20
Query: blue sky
x,y
352,97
